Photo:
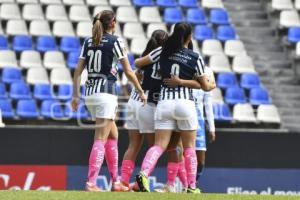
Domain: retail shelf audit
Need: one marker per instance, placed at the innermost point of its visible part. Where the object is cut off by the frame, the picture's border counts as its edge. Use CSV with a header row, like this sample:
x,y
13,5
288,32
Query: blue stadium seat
x,y
10,75
131,60
196,16
6,108
225,33
82,91
42,92
19,90
259,96
294,34
222,112
203,32
219,17
166,3
234,95
65,92
73,59
51,109
226,80
173,15
82,112
69,44
46,43
250,80
188,3
3,43
141,3
27,109
3,94
22,43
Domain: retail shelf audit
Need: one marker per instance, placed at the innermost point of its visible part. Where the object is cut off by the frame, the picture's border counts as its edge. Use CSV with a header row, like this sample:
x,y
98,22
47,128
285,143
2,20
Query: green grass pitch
x,y
39,195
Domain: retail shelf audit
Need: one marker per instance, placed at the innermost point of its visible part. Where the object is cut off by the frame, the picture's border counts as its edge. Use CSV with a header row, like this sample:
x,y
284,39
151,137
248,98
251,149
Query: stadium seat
x,y
51,109
244,113
217,96
126,14
99,9
143,3
7,1
65,92
19,90
196,16
149,15
32,12
22,2
8,58
1,30
37,76
268,114
297,4
69,44
210,4
81,113
83,29
133,30
196,47
166,3
155,26
120,2
250,80
219,63
73,2
3,93
54,59
59,76
298,49
225,33
222,112
138,45
16,27
3,43
289,18
22,43
42,91
173,15
46,43
282,5
96,2
211,47
27,109
235,95
226,80
79,13
202,32
219,17
11,75
259,96
6,108
56,12
243,64
73,59
188,3
63,28
49,2
30,59
234,48
9,11
294,34
39,28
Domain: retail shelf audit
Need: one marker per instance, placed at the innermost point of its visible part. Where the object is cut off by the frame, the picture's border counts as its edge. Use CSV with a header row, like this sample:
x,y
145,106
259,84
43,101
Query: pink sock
x,y
96,160
182,174
190,159
151,159
111,157
172,170
126,170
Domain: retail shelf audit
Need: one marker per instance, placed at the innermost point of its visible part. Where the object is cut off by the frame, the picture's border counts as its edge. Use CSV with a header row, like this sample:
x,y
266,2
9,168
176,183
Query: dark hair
x,y
101,23
175,42
158,38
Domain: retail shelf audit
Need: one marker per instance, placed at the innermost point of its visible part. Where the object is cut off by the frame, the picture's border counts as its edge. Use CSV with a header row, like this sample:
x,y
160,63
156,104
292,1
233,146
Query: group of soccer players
x,y
163,105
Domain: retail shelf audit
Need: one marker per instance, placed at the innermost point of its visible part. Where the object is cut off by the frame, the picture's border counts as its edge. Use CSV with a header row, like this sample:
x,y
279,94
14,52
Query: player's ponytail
x,y
97,31
158,38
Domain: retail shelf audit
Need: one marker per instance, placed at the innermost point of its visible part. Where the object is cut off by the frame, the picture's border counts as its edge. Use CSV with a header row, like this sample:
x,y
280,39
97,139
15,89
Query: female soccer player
x,y
176,108
100,54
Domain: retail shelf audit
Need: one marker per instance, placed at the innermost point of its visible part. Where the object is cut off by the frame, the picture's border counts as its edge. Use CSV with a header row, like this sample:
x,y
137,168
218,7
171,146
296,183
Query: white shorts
x,y
176,115
102,105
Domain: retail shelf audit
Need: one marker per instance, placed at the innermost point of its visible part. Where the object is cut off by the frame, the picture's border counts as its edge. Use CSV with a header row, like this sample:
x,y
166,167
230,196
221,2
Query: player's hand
x,y
174,81
143,97
75,103
212,137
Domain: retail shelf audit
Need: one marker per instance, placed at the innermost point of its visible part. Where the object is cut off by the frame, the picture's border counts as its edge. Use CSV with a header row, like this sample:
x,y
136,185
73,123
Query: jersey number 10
x,y
96,57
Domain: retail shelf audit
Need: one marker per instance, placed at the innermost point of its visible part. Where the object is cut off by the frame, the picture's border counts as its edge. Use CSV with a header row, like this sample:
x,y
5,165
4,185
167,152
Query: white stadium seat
x,y
73,2
217,97
234,48
39,28
219,63
79,13
243,64
84,29
155,26
60,76
7,1
37,76
8,58
297,4
133,30
49,2
33,12
196,47
96,2
126,14
211,47
30,59
138,45
63,28
289,18
298,49
56,12
244,113
209,4
27,1
99,9
150,15
282,4
10,11
268,114
16,27
54,59
120,2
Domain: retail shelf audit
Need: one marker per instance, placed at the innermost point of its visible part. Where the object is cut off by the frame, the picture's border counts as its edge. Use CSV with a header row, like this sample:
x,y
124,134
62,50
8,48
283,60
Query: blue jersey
x,y
185,64
101,63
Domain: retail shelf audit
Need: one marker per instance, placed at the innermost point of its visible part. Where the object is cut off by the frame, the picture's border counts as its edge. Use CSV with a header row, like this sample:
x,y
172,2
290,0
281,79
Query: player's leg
x,y
182,175
200,148
201,165
111,152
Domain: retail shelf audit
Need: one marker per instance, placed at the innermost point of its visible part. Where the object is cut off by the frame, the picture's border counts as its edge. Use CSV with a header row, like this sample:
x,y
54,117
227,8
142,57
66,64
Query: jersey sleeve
x,y
155,54
83,51
119,49
200,67
208,106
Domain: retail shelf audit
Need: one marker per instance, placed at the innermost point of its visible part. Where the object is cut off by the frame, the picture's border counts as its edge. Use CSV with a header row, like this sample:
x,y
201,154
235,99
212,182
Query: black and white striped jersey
x,y
101,63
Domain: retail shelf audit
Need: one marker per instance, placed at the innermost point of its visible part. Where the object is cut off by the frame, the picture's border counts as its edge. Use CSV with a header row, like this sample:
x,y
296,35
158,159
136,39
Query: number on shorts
x,y
156,71
96,57
175,69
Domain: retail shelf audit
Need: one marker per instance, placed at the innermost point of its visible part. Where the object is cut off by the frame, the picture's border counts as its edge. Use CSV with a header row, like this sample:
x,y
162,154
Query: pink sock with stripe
x,y
190,159
172,169
111,157
150,160
127,170
95,160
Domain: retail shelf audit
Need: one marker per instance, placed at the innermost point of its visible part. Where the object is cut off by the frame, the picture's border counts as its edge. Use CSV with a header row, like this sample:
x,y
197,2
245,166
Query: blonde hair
x,y
101,23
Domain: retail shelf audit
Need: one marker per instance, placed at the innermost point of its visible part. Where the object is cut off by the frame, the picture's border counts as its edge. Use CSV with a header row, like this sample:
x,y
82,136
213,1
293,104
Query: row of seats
x,y
278,5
